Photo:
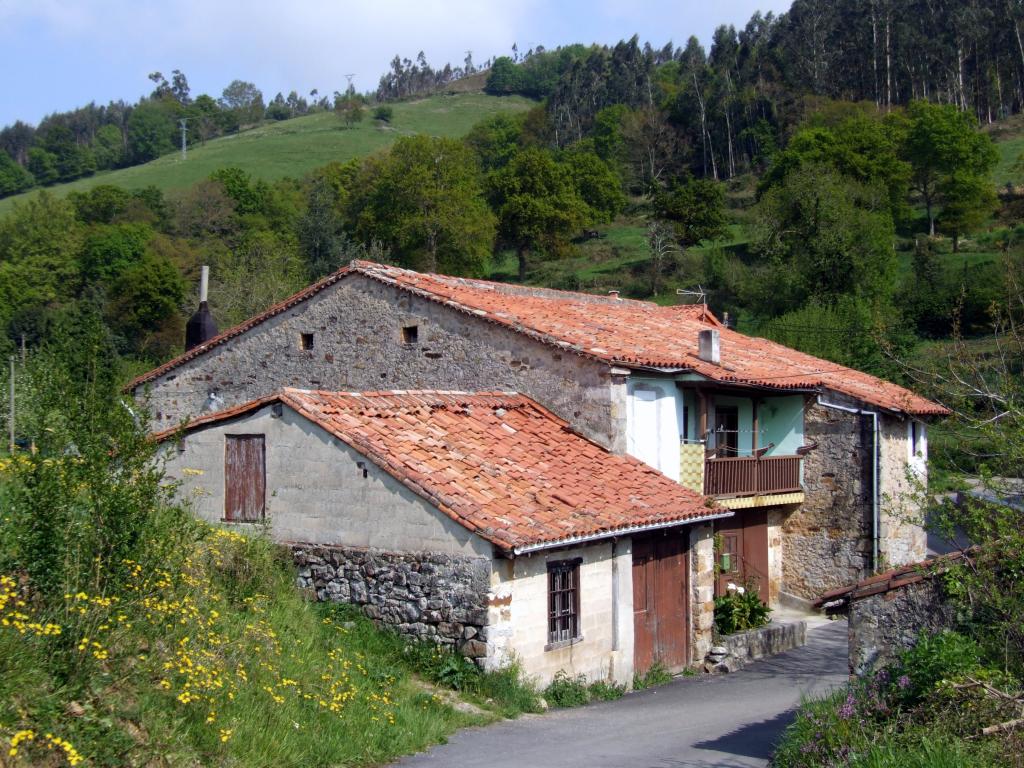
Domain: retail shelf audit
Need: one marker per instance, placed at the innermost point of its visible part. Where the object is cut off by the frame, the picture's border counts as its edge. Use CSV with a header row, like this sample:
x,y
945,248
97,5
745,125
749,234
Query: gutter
x,y
573,540
875,520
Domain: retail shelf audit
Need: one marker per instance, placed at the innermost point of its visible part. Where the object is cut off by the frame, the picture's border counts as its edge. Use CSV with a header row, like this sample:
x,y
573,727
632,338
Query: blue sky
x,y
58,54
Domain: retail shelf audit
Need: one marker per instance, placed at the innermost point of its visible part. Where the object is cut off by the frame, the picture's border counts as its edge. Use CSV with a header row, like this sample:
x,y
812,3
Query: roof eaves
x,y
569,541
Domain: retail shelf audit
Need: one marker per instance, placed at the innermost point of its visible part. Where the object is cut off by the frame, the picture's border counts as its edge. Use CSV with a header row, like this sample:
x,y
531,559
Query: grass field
x,y
294,147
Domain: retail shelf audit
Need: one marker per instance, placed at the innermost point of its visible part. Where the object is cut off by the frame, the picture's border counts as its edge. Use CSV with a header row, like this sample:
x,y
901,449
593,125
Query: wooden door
x,y
743,551
245,477
661,602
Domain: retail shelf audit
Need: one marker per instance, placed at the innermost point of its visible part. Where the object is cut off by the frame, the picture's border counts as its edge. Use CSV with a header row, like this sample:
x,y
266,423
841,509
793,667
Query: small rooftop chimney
x,y
614,294
201,327
707,346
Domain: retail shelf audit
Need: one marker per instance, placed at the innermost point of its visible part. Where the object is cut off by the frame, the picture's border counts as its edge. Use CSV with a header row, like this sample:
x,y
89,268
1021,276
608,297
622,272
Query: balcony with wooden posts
x,y
752,476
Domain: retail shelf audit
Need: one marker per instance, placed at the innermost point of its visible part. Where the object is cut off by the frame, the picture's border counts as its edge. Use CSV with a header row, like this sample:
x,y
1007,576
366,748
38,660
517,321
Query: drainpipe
x,y
875,522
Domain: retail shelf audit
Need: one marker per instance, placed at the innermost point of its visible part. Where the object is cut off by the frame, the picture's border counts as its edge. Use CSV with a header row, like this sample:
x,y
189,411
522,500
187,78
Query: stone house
x,y
477,520
815,459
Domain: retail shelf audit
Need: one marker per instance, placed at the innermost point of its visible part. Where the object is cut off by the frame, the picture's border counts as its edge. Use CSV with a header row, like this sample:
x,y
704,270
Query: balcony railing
x,y
750,476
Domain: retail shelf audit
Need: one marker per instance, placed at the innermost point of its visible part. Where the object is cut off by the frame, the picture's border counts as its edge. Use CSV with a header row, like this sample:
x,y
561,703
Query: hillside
x,y
293,147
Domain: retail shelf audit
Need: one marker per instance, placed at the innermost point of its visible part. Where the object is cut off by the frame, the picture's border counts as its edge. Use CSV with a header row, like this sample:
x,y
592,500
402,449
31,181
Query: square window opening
x,y
564,602
306,341
410,334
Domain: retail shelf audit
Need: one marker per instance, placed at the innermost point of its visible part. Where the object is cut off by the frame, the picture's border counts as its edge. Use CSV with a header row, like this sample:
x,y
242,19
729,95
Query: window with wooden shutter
x,y
245,478
564,602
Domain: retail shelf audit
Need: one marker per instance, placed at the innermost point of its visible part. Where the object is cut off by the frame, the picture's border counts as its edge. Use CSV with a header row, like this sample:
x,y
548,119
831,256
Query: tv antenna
x,y
698,293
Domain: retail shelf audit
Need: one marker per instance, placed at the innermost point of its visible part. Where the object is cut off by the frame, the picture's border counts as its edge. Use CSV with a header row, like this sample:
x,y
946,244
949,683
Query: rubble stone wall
x,y
437,596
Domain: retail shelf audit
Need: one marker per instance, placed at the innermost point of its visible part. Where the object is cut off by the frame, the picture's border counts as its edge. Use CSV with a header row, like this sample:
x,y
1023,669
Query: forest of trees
x,y
69,145
841,168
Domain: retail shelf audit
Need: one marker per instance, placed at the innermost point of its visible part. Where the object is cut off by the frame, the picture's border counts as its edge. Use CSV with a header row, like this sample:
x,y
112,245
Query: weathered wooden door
x,y
743,551
661,626
245,477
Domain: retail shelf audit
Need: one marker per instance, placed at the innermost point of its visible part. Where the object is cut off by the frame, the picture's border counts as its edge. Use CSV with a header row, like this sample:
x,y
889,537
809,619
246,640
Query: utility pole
x,y
183,122
12,406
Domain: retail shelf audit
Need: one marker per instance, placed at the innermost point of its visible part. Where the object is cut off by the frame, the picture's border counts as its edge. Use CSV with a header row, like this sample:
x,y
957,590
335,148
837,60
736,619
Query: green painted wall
x,y
782,422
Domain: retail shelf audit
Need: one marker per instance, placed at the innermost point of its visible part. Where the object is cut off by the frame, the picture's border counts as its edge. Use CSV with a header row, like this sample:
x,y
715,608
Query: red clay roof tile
x,y
618,331
541,485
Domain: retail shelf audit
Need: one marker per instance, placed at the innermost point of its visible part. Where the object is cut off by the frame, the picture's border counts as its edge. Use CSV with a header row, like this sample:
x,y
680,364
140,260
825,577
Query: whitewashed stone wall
x,y
518,623
318,490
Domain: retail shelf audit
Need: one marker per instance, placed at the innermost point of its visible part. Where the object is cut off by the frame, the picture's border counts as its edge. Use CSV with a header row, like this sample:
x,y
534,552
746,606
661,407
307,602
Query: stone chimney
x,y
201,327
707,346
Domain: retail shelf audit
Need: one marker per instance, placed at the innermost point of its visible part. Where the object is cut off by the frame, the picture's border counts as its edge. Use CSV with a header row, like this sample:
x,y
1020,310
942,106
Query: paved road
x,y
728,721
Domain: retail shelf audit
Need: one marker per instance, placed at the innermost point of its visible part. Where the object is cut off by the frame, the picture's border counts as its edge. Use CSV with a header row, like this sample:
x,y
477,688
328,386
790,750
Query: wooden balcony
x,y
750,476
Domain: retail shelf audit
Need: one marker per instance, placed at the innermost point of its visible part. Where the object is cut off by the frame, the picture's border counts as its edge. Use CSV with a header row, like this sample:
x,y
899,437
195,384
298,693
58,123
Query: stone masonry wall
x,y
358,346
883,624
434,596
826,541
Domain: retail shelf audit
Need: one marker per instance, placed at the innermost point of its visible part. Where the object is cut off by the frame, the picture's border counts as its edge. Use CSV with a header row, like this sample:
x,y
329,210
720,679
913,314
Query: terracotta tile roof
x,y
497,463
895,578
618,331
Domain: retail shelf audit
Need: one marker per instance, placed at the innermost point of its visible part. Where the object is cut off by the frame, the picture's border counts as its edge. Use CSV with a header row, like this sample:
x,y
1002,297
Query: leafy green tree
x,y
504,78
43,166
970,200
595,182
863,148
244,100
384,113
249,195
695,207
607,133
949,159
829,234
108,147
143,308
101,204
349,108
110,249
537,203
71,160
424,201
13,178
496,138
38,243
150,132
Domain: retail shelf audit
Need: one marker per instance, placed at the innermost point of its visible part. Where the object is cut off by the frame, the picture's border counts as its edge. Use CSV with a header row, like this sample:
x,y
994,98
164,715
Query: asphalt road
x,y
724,721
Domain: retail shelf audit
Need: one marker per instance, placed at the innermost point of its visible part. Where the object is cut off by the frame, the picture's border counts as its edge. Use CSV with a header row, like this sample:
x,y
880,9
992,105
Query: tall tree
x,y
948,156
424,200
537,204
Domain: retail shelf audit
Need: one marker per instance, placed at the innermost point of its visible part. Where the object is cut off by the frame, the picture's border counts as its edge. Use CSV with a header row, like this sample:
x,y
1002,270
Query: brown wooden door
x,y
743,551
245,477
661,601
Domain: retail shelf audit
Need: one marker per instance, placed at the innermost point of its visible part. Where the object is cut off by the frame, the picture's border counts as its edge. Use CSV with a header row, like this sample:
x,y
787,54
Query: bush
x,y
934,658
655,675
566,691
384,114
604,690
740,609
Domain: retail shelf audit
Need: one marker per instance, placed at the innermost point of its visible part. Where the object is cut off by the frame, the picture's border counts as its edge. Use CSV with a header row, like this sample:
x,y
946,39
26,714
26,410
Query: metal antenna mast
x,y
183,122
349,78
